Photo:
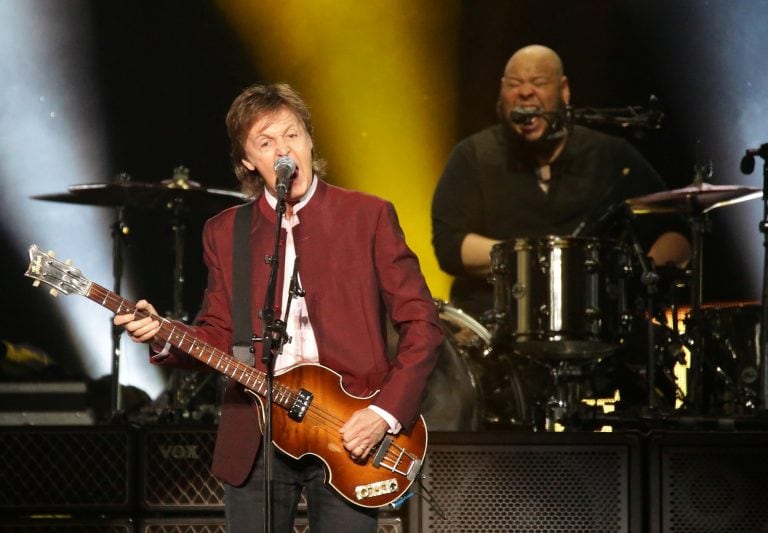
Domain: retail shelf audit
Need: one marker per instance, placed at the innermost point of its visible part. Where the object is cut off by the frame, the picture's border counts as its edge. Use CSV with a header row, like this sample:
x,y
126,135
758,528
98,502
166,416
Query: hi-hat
x,y
693,199
155,196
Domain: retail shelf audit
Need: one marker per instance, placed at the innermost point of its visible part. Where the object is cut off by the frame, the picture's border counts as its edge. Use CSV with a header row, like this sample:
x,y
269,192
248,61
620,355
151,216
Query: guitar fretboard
x,y
244,374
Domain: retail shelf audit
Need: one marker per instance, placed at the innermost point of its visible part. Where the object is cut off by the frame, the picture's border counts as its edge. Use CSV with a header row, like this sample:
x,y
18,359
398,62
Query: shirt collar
x,y
272,200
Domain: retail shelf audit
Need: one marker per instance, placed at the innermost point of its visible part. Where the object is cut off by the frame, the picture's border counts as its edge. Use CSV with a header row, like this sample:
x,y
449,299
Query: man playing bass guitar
x,y
355,272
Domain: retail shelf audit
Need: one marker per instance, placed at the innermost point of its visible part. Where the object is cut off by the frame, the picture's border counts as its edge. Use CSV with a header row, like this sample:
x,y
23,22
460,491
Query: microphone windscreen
x,y
747,165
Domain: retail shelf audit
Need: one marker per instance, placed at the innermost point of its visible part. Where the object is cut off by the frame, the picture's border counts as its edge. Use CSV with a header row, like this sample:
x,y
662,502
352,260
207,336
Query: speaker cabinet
x,y
65,469
184,524
387,524
530,482
68,525
714,482
175,466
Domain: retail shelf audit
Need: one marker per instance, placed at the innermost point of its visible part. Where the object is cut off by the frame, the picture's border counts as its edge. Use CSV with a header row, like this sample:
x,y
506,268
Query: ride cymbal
x,y
153,196
693,199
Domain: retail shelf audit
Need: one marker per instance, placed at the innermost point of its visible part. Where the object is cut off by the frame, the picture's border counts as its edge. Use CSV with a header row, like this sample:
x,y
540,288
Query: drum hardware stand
x,y
747,166
700,223
179,212
650,280
120,231
565,394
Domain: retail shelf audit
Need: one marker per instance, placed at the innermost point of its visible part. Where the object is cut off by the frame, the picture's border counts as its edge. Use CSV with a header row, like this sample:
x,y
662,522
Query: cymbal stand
x,y
179,214
120,230
699,223
179,211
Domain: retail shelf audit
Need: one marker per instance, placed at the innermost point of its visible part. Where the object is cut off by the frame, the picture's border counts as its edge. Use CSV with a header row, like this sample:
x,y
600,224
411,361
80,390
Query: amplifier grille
x,y
175,465
65,468
721,489
526,488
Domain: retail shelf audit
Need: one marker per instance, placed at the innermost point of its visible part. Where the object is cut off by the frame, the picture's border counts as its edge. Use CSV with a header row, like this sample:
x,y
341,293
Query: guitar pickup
x,y
300,405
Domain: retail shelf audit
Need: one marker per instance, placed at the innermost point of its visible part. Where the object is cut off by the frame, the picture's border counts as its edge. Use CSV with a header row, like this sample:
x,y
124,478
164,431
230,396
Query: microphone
x,y
284,170
521,115
747,165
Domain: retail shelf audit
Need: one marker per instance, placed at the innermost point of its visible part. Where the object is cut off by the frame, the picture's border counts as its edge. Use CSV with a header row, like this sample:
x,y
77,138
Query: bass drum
x,y
472,388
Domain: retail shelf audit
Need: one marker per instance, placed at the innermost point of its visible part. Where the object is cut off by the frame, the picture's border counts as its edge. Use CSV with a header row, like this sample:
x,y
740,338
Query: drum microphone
x,y
747,165
285,167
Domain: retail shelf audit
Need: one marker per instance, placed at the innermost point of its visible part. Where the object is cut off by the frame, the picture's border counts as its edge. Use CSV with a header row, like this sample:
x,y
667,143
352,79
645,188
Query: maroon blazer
x,y
355,267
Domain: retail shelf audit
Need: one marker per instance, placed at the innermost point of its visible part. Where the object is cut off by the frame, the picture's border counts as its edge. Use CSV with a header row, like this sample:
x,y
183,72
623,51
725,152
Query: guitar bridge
x,y
300,405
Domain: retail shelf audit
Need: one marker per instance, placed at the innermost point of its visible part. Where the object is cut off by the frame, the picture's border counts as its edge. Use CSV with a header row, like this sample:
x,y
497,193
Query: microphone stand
x,y
763,380
624,117
272,339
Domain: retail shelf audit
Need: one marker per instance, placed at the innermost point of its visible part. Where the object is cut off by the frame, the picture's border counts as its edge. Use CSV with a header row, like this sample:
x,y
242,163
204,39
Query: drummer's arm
x,y
476,254
670,248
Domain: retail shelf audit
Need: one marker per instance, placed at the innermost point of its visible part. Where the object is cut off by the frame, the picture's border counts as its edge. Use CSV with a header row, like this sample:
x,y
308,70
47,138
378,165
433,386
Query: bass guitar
x,y
311,403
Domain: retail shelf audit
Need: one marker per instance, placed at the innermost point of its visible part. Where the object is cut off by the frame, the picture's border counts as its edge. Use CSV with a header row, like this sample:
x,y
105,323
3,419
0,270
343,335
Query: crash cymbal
x,y
693,199
153,196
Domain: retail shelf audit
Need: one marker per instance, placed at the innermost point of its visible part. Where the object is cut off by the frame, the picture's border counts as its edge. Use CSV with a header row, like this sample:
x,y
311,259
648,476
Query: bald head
x,y
535,56
533,81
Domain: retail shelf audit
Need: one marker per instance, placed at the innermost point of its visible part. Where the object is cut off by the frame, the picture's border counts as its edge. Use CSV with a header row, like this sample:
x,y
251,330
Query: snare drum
x,y
560,297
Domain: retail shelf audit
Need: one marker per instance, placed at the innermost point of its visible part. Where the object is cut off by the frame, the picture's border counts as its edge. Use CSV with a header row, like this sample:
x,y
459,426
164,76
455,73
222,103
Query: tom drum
x,y
560,297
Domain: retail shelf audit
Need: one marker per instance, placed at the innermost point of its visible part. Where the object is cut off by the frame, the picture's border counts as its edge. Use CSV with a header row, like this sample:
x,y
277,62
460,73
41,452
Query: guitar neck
x,y
220,361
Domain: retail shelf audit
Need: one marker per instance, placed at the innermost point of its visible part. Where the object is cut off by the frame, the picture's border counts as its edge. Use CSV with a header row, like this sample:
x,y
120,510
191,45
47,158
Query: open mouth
x,y
525,116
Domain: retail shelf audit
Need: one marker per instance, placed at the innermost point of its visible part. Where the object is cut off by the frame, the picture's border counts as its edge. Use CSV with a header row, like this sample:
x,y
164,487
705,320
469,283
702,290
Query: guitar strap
x,y
242,325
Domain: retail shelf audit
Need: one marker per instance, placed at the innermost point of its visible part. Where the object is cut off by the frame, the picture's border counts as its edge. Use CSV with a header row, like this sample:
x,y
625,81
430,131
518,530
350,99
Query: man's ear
x,y
565,90
247,164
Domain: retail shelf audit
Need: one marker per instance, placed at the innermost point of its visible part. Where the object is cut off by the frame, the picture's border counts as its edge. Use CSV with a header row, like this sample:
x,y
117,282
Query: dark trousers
x,y
327,511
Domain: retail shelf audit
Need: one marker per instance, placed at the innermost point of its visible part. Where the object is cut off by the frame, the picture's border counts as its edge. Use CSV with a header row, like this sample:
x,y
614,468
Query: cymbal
x,y
693,199
154,196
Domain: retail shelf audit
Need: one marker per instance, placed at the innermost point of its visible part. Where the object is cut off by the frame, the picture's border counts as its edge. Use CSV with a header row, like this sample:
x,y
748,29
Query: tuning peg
x,y
36,283
51,253
54,292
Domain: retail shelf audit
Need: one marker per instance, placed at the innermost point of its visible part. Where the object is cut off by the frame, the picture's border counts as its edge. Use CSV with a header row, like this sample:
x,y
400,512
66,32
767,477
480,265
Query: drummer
x,y
533,174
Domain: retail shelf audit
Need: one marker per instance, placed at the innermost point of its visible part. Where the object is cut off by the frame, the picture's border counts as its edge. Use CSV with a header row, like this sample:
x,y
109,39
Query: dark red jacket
x,y
355,268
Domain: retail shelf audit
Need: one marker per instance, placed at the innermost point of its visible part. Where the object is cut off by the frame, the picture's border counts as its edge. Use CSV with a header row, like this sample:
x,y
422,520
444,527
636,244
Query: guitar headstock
x,y
59,275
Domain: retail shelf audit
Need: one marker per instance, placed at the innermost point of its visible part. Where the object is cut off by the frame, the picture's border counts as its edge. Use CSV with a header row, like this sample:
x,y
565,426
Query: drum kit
x,y
569,332
180,198
576,342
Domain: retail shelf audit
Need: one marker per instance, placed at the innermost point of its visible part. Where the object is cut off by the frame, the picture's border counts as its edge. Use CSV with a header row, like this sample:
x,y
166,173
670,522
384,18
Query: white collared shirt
x,y
303,347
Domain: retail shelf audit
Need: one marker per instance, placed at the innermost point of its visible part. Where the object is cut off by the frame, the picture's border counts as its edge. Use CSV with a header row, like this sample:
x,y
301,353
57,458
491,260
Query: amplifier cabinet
x,y
531,482
714,482
175,467
216,524
68,525
65,469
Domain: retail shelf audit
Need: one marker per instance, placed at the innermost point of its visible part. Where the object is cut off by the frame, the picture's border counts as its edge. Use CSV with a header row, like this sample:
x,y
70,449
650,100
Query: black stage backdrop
x,y
167,71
